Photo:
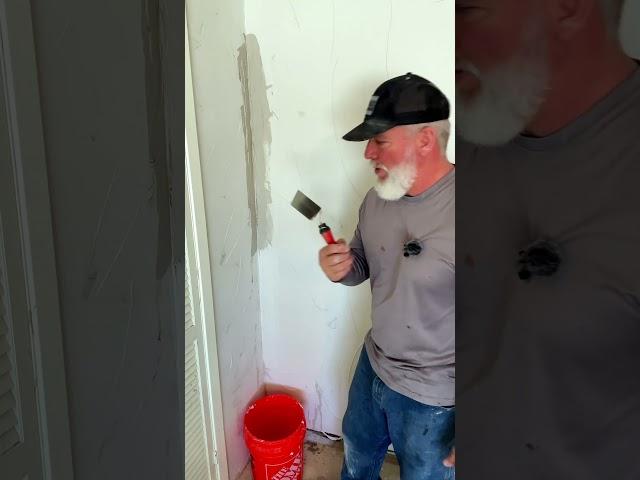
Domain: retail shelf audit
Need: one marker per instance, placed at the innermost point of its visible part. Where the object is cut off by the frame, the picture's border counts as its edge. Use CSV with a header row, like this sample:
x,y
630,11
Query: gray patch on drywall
x,y
256,116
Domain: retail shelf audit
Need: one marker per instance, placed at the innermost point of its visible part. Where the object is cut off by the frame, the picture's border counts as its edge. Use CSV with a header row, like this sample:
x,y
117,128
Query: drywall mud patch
x,y
152,41
256,116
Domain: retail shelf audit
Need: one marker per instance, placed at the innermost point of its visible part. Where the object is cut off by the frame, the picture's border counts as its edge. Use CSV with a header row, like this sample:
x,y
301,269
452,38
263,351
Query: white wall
x,y
229,169
110,176
322,61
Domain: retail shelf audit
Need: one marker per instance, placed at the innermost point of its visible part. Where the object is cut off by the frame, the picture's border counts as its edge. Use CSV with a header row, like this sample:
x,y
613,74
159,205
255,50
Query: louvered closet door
x,y
197,463
199,450
20,450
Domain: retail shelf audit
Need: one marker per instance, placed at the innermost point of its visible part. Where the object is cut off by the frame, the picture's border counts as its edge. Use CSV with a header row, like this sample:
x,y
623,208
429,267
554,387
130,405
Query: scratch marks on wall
x,y
114,260
333,323
201,31
227,253
224,258
226,233
125,342
92,276
315,304
256,114
108,437
295,15
237,288
159,154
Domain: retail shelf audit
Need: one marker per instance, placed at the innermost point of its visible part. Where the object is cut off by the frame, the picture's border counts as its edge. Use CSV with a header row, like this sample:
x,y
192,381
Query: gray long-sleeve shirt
x,y
411,344
549,366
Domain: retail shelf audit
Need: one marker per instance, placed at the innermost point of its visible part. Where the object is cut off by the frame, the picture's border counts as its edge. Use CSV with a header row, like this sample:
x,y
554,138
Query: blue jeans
x,y
422,435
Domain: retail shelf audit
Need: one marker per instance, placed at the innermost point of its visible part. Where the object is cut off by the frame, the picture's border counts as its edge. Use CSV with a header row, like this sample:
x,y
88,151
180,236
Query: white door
x,y
34,429
204,459
205,454
199,448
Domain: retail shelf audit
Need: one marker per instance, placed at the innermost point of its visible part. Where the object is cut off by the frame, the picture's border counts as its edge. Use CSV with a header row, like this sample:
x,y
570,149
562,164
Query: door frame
x,y
194,195
18,65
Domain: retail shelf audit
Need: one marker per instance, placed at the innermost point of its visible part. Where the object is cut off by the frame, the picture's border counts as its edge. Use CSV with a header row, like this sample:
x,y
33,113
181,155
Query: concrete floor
x,y
323,461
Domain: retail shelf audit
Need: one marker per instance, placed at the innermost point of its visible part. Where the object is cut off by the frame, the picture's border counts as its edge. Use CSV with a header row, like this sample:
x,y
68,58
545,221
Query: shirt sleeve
x,y
360,269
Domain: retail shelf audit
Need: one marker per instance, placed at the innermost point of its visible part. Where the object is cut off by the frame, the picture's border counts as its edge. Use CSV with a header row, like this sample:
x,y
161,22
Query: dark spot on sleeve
x,y
530,446
382,248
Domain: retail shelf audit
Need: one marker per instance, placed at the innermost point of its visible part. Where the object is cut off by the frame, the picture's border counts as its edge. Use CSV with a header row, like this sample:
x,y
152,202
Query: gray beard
x,y
398,182
510,95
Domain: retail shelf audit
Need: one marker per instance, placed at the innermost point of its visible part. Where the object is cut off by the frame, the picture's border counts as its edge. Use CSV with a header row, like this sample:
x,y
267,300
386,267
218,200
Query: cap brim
x,y
367,130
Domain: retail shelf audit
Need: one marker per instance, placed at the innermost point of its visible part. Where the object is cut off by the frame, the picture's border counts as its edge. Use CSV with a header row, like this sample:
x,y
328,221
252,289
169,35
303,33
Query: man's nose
x,y
369,152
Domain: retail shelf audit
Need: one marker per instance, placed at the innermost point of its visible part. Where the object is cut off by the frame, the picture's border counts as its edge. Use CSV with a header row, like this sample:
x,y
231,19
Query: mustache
x,y
467,66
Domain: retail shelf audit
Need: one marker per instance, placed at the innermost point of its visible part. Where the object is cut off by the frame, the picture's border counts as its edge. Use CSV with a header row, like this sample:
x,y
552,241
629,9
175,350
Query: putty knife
x,y
310,209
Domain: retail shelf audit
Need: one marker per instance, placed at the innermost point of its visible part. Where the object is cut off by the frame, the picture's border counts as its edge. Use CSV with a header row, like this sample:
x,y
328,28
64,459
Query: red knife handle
x,y
325,231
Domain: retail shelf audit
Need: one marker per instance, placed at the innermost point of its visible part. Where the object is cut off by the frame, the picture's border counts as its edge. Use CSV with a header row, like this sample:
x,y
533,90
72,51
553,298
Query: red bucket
x,y
274,430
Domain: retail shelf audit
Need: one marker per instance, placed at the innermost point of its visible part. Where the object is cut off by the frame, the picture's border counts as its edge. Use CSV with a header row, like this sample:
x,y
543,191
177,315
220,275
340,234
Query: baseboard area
x,y
323,460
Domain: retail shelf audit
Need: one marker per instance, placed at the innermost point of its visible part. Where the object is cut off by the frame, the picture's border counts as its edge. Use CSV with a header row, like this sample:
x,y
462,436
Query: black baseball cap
x,y
405,100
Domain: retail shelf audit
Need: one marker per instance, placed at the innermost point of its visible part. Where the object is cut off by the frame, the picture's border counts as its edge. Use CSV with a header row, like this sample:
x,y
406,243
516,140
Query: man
x,y
548,282
403,387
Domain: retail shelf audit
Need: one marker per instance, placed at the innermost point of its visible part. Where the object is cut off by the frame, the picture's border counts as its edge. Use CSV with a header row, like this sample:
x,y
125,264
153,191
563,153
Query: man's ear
x,y
570,16
427,140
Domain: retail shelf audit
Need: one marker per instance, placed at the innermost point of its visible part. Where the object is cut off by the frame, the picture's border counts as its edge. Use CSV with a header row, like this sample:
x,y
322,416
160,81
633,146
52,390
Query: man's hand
x,y
336,260
450,461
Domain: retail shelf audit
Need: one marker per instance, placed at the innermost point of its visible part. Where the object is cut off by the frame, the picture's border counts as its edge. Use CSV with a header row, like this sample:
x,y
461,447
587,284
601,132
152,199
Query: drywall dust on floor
x,y
323,462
